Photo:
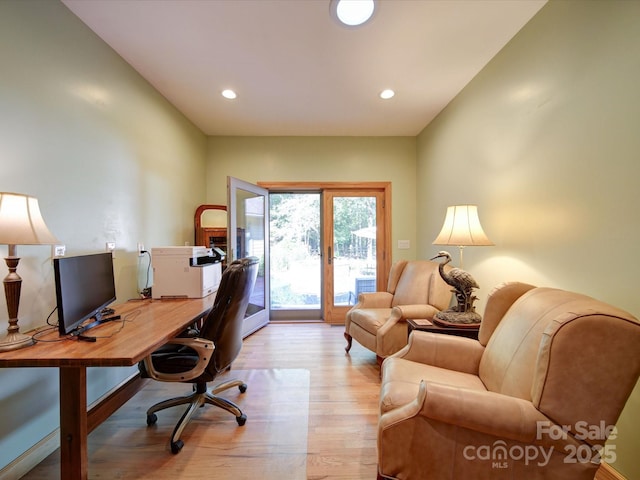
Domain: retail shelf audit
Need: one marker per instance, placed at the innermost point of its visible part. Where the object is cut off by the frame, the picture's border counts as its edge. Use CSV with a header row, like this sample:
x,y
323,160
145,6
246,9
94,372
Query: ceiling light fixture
x,y
230,94
352,12
387,94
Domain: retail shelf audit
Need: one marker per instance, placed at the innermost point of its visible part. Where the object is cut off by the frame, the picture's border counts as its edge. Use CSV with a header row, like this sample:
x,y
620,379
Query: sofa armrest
x,y
490,413
487,412
481,419
445,351
414,311
204,349
392,335
374,300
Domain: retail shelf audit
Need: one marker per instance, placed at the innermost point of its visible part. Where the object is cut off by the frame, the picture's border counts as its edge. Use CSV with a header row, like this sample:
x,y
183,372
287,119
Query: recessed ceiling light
x,y
387,94
352,12
230,94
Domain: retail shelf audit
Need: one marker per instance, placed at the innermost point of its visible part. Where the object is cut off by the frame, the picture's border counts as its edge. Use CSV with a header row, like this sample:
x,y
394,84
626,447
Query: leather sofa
x,y
378,321
536,397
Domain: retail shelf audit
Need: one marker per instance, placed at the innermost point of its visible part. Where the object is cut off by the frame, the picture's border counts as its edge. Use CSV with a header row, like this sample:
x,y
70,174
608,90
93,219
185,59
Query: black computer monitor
x,y
85,285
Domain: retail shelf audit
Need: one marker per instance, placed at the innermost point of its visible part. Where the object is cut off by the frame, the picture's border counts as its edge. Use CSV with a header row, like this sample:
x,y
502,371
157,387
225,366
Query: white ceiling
x,y
296,70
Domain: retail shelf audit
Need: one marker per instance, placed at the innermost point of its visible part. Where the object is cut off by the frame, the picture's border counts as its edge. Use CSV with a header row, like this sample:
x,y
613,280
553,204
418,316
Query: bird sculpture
x,y
463,284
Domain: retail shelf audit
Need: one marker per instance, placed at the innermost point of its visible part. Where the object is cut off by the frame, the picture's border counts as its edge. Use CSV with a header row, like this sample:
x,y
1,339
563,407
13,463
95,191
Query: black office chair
x,y
199,359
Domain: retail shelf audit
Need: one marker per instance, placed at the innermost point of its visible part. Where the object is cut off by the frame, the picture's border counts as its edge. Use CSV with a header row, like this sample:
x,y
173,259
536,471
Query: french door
x,y
328,243
354,227
248,236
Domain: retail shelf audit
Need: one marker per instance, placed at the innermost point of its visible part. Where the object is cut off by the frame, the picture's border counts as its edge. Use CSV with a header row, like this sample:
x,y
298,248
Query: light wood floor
x,y
340,429
343,410
343,405
343,397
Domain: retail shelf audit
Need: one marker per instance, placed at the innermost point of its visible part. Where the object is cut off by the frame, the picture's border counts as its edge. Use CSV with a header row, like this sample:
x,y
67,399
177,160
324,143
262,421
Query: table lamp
x,y
462,228
20,224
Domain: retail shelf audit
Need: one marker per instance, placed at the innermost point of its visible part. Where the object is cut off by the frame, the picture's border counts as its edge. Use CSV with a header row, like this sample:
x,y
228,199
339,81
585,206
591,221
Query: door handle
x,y
329,256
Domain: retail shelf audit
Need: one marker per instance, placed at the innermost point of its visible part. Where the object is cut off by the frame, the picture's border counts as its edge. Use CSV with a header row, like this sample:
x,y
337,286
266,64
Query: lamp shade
x,y
21,222
462,228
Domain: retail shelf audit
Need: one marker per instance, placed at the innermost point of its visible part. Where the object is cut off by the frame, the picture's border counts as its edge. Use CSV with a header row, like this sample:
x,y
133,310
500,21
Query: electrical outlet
x,y
111,246
59,250
140,249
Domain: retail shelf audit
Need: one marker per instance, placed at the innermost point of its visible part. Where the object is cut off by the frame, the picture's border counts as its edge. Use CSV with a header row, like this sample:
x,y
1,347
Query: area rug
x,y
271,445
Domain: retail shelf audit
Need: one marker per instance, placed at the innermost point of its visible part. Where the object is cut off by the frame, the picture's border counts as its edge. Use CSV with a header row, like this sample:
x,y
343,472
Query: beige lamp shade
x,y
462,228
21,222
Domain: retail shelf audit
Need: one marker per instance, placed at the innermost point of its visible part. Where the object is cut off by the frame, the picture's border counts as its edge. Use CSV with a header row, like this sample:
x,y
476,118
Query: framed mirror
x,y
210,225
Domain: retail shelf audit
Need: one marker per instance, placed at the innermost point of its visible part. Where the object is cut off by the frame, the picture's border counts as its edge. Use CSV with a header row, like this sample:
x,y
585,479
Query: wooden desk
x,y
148,324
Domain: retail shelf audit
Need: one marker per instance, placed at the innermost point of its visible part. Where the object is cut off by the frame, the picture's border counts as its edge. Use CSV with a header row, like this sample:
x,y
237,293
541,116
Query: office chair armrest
x,y
204,349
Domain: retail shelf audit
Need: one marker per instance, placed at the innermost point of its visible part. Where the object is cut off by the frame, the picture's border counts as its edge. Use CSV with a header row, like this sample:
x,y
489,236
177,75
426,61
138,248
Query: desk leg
x,y
73,423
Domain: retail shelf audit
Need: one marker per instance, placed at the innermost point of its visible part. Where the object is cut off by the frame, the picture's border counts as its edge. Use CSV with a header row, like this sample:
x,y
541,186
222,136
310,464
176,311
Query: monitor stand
x,y
97,320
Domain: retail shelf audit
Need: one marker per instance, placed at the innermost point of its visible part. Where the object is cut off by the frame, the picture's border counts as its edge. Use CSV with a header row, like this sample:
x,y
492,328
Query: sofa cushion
x,y
413,285
370,319
509,362
401,381
499,301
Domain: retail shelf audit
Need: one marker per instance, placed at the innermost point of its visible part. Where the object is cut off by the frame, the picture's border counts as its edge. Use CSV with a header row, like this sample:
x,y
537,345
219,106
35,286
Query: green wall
x,y
109,160
322,159
545,140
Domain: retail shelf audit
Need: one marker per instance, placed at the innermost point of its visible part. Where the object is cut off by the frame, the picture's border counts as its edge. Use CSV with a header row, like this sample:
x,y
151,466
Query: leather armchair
x,y
534,398
378,321
201,358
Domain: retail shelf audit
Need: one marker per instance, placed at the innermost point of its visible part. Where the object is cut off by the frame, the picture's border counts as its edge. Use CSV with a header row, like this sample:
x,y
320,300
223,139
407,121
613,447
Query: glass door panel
x,y
354,225
296,264
248,236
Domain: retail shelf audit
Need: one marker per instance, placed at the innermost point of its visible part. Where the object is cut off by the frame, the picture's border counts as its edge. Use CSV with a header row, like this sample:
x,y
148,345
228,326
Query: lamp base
x,y
451,318
14,341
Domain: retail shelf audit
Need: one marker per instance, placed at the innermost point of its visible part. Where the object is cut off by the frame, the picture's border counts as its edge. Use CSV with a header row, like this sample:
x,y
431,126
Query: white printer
x,y
185,272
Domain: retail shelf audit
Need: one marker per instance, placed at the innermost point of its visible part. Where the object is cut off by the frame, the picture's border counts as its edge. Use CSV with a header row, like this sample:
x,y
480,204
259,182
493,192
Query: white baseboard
x,y
32,457
45,447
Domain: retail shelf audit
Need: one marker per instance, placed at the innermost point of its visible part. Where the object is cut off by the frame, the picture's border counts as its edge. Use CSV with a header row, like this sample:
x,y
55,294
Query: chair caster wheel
x,y
176,446
243,388
152,419
242,419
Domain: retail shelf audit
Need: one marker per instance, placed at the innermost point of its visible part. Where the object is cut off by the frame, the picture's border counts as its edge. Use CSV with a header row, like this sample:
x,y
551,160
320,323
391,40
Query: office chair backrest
x,y
223,325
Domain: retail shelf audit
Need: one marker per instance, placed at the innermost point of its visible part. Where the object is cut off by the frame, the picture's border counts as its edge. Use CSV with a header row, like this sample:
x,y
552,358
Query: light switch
x,y
404,244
